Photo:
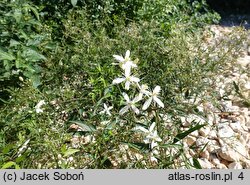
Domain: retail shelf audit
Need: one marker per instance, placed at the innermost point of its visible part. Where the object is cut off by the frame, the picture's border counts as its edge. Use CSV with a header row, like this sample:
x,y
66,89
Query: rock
x,y
247,86
246,136
201,141
228,154
235,165
241,149
212,134
236,126
221,166
227,103
225,131
204,131
195,133
213,146
233,109
247,119
243,138
244,111
215,160
235,74
222,91
190,140
244,61
225,162
241,119
246,128
184,122
205,154
247,164
244,76
211,119
191,119
205,164
235,145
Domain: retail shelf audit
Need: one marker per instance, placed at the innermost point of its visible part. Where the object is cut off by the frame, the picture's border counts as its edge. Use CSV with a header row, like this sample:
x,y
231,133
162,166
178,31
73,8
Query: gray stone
x,y
190,140
235,165
204,131
205,164
225,131
229,154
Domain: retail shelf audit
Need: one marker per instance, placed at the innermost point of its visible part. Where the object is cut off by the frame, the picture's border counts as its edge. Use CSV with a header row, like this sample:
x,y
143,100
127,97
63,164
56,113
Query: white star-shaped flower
x,y
153,97
128,79
129,105
151,135
126,62
106,109
143,90
38,106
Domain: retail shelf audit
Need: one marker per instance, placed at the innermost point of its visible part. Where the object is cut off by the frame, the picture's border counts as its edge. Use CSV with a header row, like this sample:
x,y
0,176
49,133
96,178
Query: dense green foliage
x,y
60,51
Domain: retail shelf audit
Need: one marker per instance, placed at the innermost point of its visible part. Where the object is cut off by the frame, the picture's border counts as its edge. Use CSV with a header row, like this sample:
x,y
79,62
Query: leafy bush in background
x,y
22,41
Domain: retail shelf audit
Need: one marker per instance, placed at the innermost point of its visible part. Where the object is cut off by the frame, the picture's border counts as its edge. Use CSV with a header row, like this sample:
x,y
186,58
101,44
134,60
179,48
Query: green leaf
x,y
196,164
35,79
237,89
111,125
139,146
32,55
51,46
21,158
64,148
69,152
34,10
18,15
74,2
7,148
14,43
18,64
182,135
84,126
6,56
8,165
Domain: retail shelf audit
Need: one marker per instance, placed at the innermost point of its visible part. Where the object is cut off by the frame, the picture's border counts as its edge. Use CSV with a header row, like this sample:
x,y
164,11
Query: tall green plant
x,y
21,40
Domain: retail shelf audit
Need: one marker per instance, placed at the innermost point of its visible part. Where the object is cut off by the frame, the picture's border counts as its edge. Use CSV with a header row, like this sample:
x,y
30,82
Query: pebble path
x,y
227,134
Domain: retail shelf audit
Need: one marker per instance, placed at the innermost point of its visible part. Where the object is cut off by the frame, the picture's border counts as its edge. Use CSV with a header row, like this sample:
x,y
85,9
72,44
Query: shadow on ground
x,y
232,12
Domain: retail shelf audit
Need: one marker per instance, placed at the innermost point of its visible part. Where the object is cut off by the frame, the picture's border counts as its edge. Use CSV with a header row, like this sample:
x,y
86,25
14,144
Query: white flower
x,y
143,90
151,135
127,78
130,104
106,109
38,106
126,62
153,96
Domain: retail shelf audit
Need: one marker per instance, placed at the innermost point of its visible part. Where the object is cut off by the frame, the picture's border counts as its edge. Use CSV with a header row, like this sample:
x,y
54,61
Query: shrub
x,y
21,41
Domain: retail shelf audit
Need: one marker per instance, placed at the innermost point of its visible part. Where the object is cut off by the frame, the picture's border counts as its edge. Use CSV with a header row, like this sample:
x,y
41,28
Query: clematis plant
x,y
153,96
152,137
106,109
126,62
133,94
130,104
128,79
143,90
